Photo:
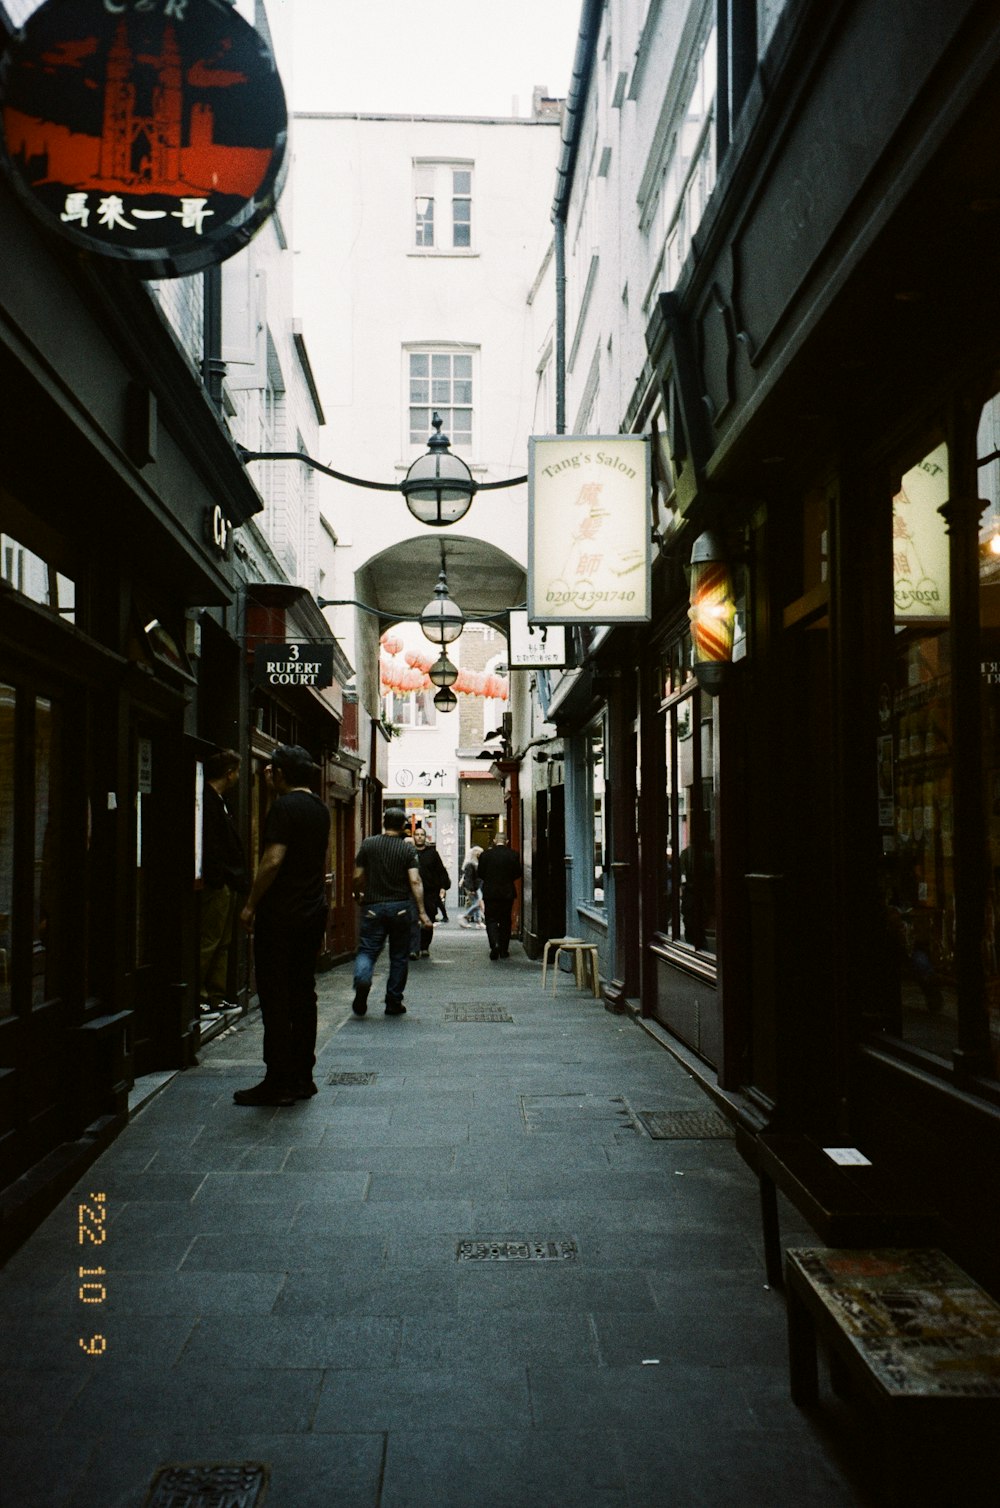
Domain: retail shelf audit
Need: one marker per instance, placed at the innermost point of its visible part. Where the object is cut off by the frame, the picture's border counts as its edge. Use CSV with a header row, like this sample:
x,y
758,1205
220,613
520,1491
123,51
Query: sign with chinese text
x,y
152,131
531,648
589,532
920,540
293,665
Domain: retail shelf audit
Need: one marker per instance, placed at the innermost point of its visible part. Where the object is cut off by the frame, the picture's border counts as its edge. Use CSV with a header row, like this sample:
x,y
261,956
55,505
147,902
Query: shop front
x,y
819,918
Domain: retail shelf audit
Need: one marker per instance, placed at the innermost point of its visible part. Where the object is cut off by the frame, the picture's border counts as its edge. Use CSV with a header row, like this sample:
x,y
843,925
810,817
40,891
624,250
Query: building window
x,y
688,891
37,579
410,709
442,196
988,451
441,382
916,771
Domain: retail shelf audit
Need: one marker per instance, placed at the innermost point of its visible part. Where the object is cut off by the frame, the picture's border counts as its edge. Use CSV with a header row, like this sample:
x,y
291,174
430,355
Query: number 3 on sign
x,y
90,1227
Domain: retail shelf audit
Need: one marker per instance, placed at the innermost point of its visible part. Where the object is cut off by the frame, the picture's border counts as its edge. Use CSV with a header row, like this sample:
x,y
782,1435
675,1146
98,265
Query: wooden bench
x,y
845,1205
919,1343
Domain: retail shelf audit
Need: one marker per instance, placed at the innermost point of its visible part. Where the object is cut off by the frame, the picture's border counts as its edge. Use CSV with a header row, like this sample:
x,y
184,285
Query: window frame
x,y
439,223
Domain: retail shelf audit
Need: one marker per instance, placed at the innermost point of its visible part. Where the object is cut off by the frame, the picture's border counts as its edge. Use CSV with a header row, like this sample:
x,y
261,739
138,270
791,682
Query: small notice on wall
x,y
848,1157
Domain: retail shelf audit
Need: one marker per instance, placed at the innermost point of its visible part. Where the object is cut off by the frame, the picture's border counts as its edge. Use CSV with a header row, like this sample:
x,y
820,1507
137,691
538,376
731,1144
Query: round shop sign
x,y
150,131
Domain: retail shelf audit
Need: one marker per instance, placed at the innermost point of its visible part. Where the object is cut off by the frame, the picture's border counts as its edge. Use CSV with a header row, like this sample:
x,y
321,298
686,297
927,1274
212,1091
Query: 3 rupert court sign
x,y
153,132
293,665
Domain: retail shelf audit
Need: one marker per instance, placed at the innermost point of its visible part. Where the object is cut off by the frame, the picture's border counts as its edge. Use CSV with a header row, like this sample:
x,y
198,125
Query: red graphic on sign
x,y
142,148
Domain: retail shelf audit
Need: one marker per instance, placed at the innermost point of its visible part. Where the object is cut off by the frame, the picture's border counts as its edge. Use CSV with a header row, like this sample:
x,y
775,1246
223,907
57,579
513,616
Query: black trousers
x,y
285,964
498,923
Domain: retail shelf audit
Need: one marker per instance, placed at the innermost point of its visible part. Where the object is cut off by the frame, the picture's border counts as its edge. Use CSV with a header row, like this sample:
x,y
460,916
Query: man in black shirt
x,y
387,883
287,912
499,867
224,878
435,880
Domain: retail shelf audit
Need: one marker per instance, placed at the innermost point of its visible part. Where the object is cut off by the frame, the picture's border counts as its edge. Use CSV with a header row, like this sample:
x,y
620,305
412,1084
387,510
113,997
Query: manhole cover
x,y
352,1078
207,1486
573,1112
476,1013
683,1125
529,1250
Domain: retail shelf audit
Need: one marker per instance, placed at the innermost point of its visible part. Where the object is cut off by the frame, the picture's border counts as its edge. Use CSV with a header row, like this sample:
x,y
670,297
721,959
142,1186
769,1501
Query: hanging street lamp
x,y
445,700
443,673
438,487
442,620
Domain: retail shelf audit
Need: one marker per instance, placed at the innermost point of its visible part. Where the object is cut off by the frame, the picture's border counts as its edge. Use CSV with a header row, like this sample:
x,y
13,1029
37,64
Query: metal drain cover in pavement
x,y
529,1250
208,1486
352,1078
459,1012
576,1112
683,1125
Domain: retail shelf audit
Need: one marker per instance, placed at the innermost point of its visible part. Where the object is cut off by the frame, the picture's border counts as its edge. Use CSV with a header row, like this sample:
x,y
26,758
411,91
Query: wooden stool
x,y
584,955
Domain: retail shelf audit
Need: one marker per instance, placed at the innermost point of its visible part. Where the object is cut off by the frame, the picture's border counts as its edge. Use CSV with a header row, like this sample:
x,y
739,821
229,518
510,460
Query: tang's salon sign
x,y
152,131
293,665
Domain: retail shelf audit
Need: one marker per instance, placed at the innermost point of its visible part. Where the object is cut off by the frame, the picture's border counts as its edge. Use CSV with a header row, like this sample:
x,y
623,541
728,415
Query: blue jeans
x,y
379,921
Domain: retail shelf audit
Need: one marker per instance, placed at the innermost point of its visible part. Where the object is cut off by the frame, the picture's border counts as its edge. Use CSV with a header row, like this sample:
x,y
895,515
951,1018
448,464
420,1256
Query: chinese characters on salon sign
x,y
589,529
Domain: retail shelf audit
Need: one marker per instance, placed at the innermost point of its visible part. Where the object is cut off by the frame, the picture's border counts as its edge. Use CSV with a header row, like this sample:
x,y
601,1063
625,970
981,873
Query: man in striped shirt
x,y
387,883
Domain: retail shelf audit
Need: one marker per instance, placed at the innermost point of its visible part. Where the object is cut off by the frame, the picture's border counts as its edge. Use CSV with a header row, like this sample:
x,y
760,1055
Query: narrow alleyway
x,y
290,1286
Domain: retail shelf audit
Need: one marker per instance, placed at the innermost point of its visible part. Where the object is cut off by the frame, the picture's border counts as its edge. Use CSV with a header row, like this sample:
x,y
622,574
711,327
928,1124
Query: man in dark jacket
x,y
499,868
224,879
435,879
287,912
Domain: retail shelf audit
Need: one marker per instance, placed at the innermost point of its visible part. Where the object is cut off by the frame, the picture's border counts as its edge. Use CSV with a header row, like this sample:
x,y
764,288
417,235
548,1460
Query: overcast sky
x,y
440,57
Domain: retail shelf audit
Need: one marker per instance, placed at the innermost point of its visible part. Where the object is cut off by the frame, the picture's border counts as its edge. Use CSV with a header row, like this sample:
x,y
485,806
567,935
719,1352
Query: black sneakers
x,y
360,999
264,1094
396,1010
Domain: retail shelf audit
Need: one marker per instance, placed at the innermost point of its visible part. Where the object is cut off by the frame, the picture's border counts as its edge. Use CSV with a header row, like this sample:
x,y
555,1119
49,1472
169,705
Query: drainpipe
x,y
573,111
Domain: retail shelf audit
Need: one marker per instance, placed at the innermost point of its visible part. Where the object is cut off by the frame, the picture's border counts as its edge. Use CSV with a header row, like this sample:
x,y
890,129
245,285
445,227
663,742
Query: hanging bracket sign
x,y
293,665
149,131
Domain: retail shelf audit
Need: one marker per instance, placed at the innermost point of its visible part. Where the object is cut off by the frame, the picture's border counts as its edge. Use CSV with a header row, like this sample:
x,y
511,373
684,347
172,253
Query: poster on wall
x,y
920,541
589,533
152,132
534,648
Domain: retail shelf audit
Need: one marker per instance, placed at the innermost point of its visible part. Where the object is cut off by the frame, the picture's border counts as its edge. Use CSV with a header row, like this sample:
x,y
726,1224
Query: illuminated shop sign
x,y
293,665
589,529
151,131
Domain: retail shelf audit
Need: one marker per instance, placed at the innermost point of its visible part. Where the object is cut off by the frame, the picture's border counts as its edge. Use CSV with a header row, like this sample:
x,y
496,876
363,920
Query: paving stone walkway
x,y
465,1274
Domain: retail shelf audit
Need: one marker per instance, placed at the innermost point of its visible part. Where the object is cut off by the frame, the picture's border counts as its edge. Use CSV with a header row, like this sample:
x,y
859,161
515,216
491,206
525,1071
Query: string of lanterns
x,y
410,671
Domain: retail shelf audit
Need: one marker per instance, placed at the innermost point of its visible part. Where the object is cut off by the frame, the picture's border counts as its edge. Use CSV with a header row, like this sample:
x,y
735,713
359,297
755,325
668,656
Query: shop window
x,y
915,768
48,784
688,891
8,706
598,812
988,452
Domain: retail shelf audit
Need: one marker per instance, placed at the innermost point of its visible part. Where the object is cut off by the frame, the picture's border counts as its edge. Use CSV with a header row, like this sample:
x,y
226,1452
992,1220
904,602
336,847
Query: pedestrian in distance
x,y
436,882
287,912
224,878
388,885
499,868
472,916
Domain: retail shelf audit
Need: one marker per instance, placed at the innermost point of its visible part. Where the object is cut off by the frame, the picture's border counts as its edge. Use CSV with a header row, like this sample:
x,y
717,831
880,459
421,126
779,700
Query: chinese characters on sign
x,y
589,529
532,648
411,778
154,132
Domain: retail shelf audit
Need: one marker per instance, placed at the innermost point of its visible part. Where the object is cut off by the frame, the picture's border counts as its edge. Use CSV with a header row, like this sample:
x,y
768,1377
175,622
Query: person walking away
x,y
225,878
472,916
287,912
387,883
499,868
436,882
